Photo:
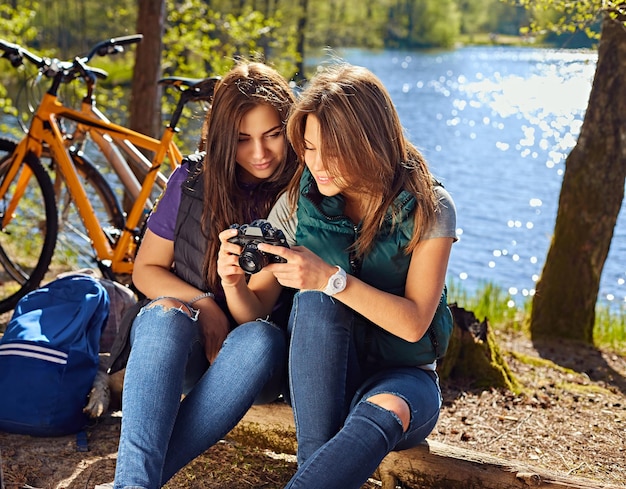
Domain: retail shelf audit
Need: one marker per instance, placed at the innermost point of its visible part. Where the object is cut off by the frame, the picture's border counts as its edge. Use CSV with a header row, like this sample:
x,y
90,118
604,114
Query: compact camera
x,y
249,236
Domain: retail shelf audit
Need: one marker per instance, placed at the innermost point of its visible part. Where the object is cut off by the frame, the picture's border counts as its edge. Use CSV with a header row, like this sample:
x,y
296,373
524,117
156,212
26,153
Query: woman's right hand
x,y
228,260
247,300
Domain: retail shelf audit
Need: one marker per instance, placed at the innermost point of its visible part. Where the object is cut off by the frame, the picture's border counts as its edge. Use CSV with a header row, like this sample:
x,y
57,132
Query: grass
x,y
492,302
505,312
610,328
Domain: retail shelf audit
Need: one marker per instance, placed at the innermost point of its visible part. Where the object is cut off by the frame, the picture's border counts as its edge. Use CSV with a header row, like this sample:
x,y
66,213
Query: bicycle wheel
x,y
27,241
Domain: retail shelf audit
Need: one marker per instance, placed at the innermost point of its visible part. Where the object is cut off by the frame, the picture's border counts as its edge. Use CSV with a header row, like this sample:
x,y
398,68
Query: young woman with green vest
x,y
370,231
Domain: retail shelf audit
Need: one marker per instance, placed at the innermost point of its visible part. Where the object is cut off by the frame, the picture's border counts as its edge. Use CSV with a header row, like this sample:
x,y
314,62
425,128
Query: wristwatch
x,y
336,283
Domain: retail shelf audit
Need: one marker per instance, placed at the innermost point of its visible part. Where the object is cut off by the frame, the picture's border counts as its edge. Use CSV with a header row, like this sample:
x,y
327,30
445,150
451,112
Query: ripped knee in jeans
x,y
398,406
168,303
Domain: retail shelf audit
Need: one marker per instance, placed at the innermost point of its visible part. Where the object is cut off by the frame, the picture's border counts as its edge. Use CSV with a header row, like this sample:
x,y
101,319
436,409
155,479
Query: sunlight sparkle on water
x,y
502,146
518,119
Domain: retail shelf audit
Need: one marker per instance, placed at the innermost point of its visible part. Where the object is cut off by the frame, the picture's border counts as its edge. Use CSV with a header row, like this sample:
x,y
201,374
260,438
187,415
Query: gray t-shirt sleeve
x,y
282,217
445,222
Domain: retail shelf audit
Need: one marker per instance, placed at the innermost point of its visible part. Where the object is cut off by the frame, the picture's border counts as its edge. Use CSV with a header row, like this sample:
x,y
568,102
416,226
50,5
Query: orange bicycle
x,y
47,184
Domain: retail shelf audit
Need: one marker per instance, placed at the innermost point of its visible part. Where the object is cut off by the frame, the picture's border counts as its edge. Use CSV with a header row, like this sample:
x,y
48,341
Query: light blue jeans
x,y
342,437
160,434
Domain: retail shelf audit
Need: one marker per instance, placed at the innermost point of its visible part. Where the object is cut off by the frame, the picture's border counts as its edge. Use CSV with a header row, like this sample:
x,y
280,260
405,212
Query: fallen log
x,y
435,465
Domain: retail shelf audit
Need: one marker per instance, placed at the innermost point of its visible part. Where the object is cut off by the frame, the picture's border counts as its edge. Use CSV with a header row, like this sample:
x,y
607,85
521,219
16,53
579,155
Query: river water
x,y
496,125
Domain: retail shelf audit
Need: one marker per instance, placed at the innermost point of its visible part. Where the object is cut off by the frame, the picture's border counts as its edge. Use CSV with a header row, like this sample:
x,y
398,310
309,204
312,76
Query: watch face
x,y
339,283
336,283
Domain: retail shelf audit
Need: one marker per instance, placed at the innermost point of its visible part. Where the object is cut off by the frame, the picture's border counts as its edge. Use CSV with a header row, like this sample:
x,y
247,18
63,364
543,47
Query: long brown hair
x,y
246,86
363,142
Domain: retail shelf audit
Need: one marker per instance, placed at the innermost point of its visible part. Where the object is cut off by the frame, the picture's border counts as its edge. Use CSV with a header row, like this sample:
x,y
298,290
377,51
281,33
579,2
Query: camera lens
x,y
252,261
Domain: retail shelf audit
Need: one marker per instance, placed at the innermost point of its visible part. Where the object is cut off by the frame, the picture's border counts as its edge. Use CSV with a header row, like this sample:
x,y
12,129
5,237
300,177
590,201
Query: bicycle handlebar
x,y
113,46
15,54
68,69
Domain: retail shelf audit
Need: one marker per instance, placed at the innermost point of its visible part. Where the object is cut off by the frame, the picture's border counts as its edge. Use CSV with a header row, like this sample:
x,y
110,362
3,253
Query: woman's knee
x,y
312,308
167,303
259,335
163,319
396,405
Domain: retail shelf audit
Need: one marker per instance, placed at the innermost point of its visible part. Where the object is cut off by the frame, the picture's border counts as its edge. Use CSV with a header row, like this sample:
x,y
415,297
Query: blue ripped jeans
x,y
160,434
342,437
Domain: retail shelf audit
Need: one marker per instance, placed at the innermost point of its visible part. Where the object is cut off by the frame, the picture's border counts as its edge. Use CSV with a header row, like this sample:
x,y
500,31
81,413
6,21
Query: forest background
x,y
202,37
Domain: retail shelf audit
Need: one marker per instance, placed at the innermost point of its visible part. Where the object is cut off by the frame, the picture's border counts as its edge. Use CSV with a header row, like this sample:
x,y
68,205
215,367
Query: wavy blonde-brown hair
x,y
246,86
362,142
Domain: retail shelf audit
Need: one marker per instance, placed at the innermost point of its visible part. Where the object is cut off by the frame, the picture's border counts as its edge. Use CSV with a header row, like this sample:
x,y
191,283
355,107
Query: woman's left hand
x,y
304,270
214,328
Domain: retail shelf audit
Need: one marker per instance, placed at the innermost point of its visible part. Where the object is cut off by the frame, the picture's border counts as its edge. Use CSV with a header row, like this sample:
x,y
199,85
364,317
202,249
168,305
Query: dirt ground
x,y
571,420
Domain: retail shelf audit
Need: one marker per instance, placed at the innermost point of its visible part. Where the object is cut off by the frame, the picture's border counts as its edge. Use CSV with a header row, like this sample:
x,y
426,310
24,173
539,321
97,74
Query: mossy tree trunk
x,y
474,355
591,197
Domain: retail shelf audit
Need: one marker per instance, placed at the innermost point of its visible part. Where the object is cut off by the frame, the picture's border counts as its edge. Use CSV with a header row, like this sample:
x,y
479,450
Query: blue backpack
x,y
49,357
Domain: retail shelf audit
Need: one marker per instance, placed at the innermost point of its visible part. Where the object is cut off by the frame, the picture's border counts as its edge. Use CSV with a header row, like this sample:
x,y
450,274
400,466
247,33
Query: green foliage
x,y
423,23
202,42
15,26
566,16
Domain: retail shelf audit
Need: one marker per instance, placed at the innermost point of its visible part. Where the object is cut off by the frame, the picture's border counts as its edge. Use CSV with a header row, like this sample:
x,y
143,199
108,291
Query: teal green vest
x,y
324,229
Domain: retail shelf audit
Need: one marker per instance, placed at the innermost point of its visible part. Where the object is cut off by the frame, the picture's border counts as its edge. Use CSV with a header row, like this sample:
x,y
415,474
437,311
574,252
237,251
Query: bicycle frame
x,y
109,145
46,131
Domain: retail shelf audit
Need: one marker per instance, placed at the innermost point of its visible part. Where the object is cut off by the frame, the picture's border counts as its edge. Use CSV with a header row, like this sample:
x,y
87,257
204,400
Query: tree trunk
x,y
301,28
473,354
591,197
145,102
